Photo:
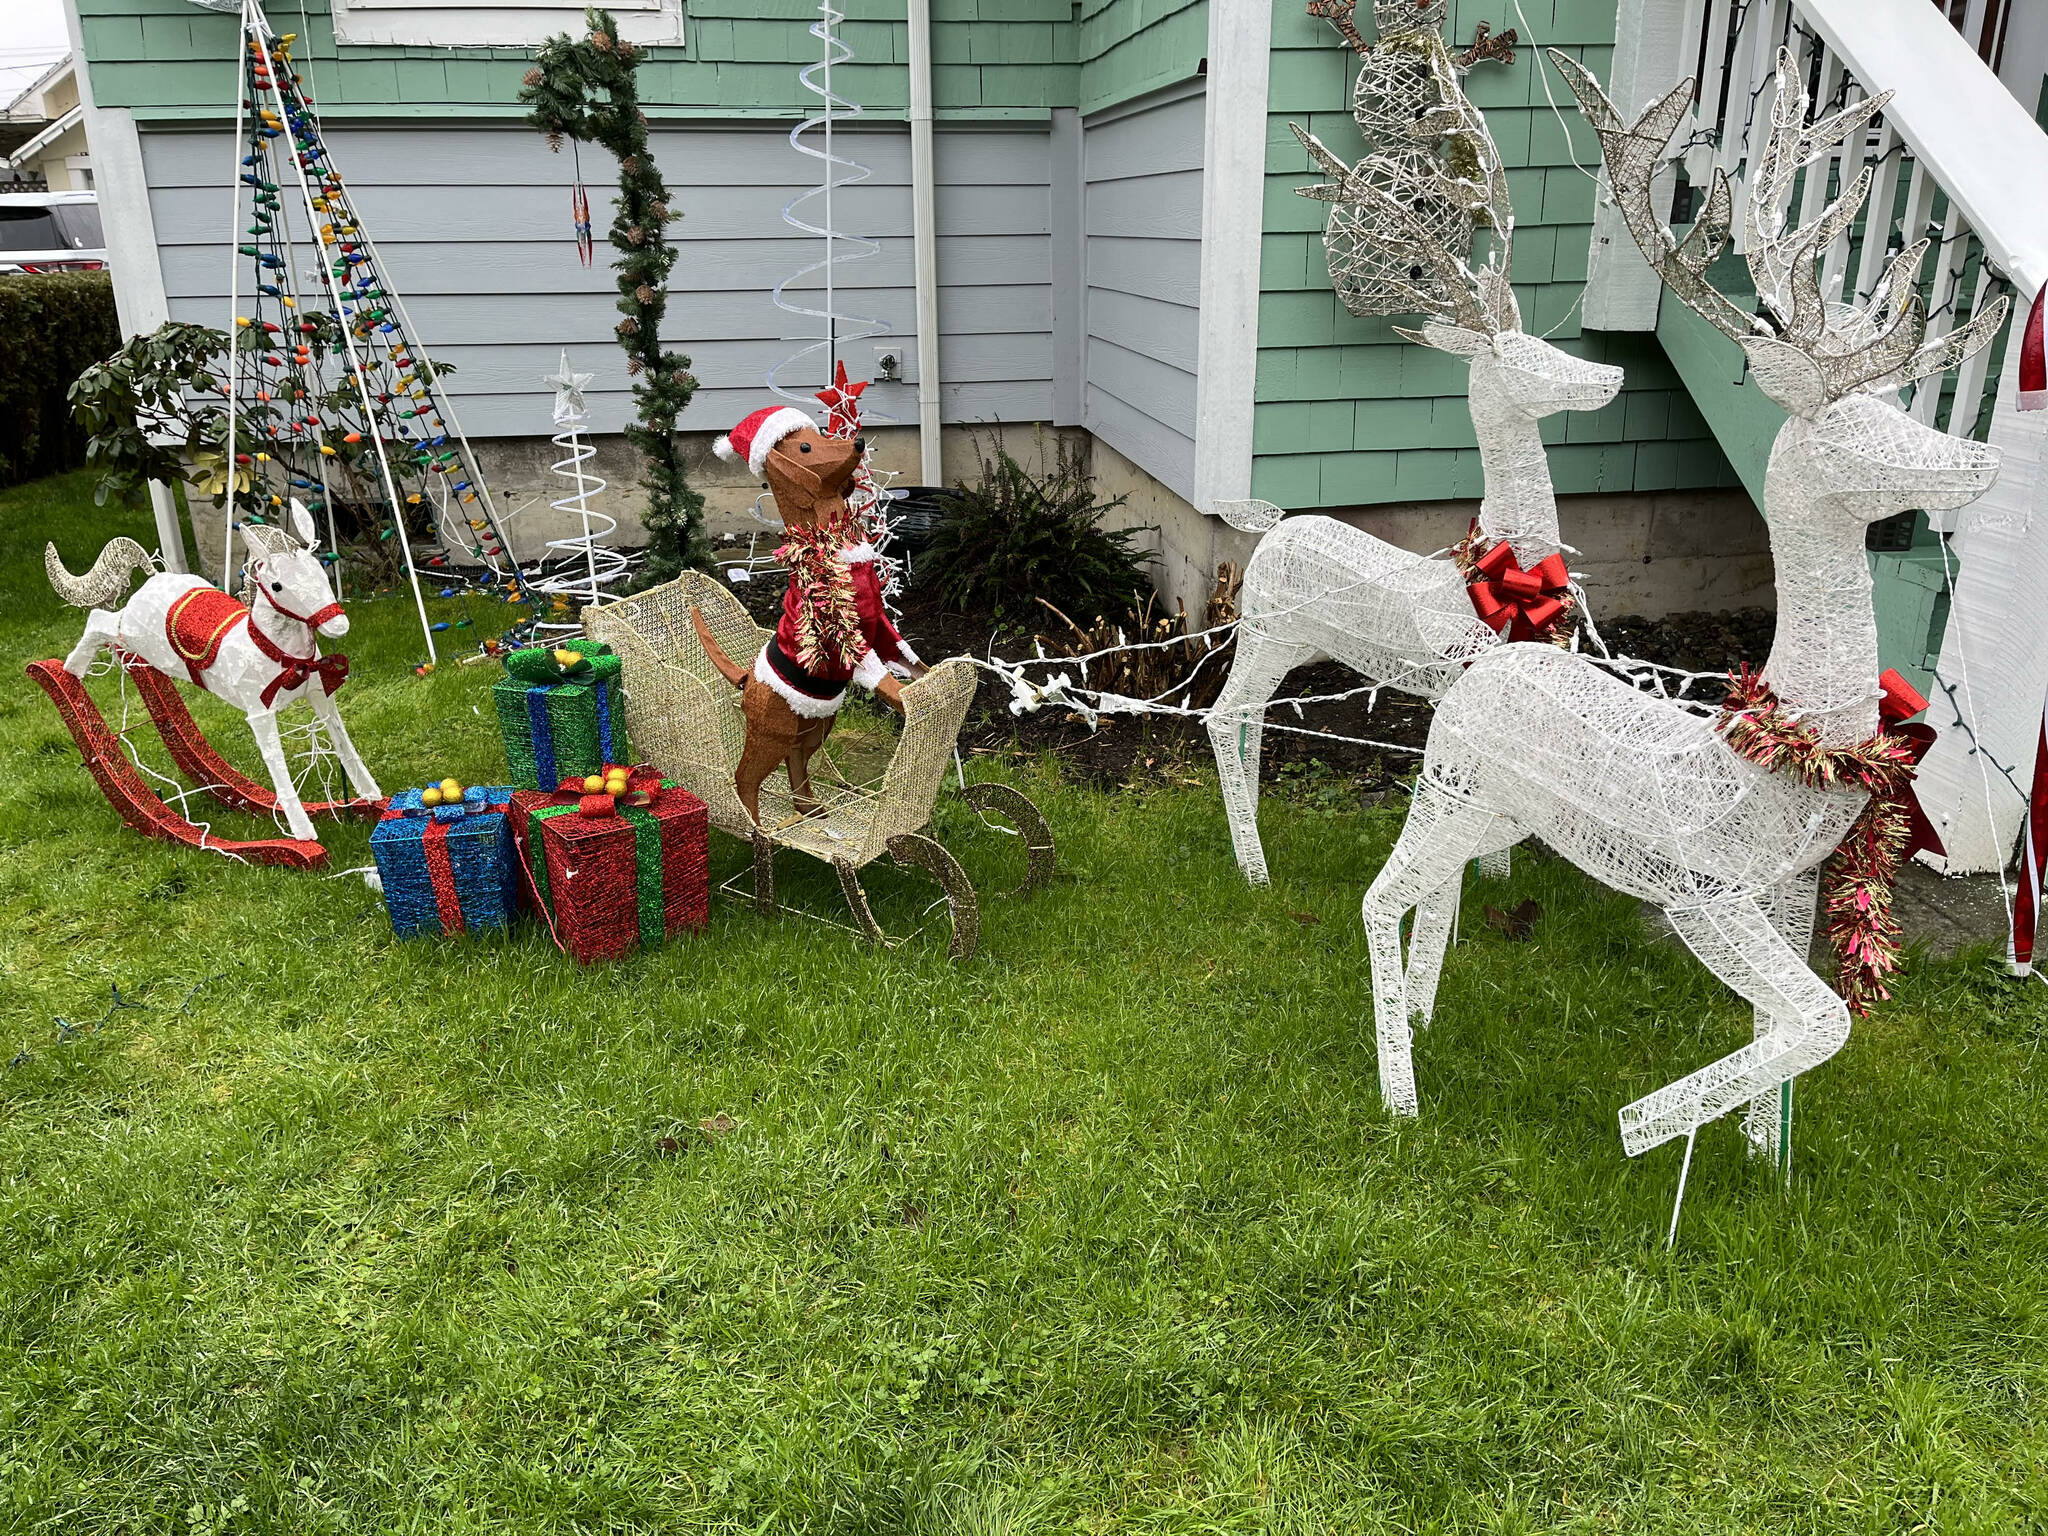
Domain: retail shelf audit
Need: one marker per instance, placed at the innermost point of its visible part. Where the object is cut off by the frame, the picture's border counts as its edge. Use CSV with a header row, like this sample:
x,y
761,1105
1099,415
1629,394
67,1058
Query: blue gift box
x,y
447,868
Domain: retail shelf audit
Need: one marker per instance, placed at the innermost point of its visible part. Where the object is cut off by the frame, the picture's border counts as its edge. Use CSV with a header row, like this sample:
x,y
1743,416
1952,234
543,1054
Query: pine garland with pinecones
x,y
587,91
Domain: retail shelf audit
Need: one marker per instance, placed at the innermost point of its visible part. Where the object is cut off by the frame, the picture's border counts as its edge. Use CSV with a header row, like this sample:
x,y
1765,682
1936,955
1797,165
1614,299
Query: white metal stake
x,y
227,555
356,370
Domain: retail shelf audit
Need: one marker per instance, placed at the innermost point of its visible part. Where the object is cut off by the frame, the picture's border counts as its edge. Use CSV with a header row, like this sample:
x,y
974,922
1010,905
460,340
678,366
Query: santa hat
x,y
753,438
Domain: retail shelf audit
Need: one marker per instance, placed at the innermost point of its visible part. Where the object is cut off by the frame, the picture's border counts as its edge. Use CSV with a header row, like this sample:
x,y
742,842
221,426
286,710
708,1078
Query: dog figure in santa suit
x,y
833,629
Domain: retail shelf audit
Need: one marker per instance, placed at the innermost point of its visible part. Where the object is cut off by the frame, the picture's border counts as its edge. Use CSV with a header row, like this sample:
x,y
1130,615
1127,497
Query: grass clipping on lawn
x,y
1103,1231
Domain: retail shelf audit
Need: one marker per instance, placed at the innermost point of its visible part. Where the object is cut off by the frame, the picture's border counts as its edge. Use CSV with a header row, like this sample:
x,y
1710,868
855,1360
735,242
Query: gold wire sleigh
x,y
684,718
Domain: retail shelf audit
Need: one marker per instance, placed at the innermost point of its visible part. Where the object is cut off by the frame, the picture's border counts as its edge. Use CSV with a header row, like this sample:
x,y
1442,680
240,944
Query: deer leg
x,y
1436,916
1236,724
329,715
1735,940
1441,833
1768,1123
101,630
263,726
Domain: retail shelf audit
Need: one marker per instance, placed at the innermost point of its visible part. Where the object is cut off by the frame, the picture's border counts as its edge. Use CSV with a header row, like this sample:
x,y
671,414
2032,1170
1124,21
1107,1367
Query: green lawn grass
x,y
1102,1230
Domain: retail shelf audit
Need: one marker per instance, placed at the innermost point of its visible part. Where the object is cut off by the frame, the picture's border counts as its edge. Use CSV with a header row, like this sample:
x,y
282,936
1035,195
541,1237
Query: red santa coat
x,y
816,692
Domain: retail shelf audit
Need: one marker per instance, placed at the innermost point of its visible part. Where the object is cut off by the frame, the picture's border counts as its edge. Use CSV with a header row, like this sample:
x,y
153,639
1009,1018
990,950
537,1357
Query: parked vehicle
x,y
51,232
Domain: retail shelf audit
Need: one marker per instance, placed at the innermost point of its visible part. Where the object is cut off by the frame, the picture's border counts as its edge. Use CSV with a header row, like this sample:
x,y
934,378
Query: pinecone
x,y
601,41
629,326
636,235
660,211
633,366
554,141
644,294
684,379
630,165
533,77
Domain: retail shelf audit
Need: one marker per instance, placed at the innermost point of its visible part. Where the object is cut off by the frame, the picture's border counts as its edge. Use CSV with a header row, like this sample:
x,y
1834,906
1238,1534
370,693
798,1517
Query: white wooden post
x,y
1649,54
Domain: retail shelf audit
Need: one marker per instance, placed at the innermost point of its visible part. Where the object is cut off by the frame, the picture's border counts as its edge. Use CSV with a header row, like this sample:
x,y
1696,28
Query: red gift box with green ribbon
x,y
616,868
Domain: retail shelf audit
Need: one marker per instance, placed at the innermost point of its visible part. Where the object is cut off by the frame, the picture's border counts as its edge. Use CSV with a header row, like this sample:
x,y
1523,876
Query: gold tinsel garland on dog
x,y
827,619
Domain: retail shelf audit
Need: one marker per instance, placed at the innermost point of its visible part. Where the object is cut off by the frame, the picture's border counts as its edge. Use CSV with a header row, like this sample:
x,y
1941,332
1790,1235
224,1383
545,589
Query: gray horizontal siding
x,y
473,226
1142,254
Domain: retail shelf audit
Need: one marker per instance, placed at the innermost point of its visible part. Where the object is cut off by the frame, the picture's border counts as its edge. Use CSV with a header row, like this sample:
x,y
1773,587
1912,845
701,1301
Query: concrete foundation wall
x,y
1655,554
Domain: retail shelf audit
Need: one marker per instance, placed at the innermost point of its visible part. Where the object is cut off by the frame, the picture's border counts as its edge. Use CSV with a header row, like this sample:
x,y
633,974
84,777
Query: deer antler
x,y
1849,346
1632,151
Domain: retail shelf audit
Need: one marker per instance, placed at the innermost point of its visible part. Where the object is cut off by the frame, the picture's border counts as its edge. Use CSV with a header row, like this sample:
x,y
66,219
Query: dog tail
x,y
107,579
728,669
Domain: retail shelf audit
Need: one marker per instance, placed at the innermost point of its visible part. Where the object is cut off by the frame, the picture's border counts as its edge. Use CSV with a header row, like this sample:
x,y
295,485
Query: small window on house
x,y
485,23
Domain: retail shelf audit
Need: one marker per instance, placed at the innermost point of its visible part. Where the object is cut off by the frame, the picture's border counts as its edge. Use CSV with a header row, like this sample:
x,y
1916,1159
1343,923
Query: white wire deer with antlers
x,y
1641,792
1320,588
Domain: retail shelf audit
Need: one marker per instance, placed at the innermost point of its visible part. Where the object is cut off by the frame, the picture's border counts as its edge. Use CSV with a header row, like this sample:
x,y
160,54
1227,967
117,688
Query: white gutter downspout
x,y
924,241
139,298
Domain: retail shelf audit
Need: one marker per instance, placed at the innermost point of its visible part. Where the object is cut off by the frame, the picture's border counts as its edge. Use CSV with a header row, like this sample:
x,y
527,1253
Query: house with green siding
x,y
1119,254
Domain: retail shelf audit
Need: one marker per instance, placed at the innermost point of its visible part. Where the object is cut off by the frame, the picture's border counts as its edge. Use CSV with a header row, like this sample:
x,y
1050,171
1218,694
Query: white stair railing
x,y
1958,161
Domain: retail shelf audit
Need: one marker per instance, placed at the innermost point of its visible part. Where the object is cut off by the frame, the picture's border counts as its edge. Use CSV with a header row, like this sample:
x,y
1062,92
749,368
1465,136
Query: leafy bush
x,y
1018,538
157,404
52,328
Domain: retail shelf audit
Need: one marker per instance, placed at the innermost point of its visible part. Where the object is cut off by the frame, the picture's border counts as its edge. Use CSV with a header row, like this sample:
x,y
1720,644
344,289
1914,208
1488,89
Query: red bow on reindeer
x,y
1897,702
1519,604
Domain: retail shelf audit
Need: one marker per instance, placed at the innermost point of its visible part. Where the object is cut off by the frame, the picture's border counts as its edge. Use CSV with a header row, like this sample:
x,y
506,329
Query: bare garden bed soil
x,y
1387,731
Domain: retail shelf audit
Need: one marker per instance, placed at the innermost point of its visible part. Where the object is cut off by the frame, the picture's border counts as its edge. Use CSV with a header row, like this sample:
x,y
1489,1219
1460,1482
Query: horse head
x,y
286,573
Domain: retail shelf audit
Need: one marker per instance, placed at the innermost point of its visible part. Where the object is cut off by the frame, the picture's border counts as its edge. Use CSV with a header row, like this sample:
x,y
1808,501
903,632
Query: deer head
x,y
1831,365
1522,373
285,573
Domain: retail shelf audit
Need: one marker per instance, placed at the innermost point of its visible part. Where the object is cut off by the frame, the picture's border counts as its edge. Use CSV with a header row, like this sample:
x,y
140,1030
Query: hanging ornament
x,y
579,214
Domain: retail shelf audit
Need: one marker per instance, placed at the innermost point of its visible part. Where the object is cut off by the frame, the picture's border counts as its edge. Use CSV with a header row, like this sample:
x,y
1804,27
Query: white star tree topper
x,y
569,387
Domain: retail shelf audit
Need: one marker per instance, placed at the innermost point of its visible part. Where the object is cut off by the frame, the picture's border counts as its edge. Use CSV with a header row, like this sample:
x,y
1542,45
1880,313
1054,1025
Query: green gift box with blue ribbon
x,y
560,712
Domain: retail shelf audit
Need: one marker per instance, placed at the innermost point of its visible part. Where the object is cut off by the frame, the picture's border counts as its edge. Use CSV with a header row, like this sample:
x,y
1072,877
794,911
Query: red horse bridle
x,y
331,670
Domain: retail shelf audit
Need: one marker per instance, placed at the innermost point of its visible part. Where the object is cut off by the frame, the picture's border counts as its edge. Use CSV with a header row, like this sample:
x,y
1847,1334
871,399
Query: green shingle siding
x,y
1129,47
1408,434
1000,59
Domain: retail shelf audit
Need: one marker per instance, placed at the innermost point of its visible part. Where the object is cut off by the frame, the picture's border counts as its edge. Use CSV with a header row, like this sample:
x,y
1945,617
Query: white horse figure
x,y
1317,588
259,658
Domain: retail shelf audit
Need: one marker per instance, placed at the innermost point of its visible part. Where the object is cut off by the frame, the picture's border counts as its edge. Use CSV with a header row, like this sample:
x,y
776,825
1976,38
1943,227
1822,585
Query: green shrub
x,y
1016,538
52,328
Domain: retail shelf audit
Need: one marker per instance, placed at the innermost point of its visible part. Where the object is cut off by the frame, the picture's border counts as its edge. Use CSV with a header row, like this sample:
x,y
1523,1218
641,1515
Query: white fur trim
x,y
772,431
722,446
802,703
904,650
870,671
857,554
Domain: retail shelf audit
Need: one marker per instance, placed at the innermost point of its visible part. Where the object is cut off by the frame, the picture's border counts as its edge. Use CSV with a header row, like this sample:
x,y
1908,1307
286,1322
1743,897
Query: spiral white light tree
x,y
1722,822
583,567
1319,588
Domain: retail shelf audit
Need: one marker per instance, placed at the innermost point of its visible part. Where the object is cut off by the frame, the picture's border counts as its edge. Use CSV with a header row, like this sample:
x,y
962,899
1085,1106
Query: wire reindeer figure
x,y
1317,587
1642,793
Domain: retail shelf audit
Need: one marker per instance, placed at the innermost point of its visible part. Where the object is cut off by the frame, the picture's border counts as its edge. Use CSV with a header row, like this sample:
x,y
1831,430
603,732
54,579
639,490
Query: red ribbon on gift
x,y
1897,702
441,875
1519,604
641,784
